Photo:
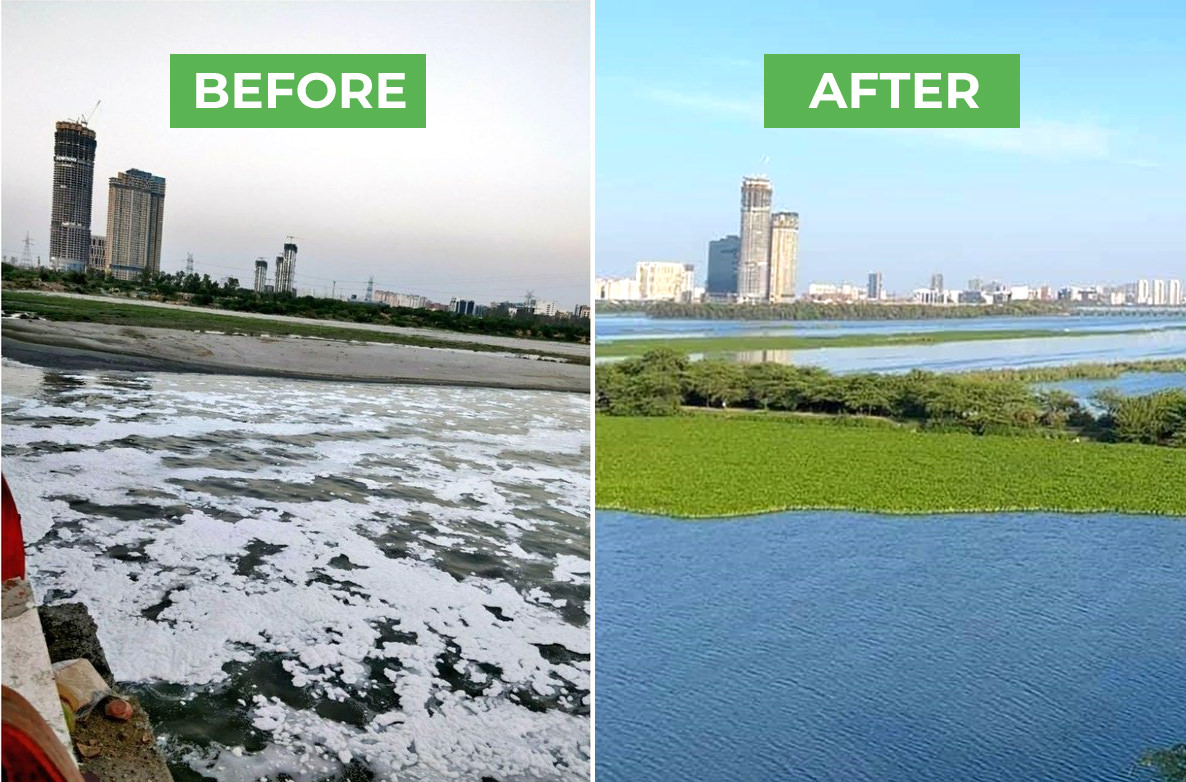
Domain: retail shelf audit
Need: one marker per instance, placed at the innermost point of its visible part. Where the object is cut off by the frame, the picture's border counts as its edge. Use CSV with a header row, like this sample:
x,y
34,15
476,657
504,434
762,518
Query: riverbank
x,y
712,465
82,345
739,344
156,314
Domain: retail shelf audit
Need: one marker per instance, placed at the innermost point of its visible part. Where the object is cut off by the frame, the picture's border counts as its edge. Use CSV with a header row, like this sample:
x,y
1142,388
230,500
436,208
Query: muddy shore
x,y
79,345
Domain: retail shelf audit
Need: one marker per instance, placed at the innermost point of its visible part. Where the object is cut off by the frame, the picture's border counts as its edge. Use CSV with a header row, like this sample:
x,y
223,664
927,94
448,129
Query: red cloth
x,y
13,548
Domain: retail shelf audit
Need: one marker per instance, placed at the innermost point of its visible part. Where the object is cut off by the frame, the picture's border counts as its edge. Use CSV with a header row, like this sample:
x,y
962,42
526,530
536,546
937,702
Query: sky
x,y
490,200
1091,188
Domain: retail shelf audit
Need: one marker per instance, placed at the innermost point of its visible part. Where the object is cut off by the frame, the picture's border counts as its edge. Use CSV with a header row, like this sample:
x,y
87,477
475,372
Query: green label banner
x,y
297,91
892,90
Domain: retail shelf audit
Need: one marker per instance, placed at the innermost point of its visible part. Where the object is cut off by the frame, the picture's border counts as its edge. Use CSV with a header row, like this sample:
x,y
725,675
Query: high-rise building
x,y
1143,294
665,280
70,213
874,290
937,282
722,267
1159,293
784,256
286,269
98,258
753,265
1175,293
261,275
135,214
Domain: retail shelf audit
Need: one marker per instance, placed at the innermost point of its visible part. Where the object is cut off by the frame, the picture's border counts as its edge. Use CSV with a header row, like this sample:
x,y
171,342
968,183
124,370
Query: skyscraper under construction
x,y
74,177
286,269
753,262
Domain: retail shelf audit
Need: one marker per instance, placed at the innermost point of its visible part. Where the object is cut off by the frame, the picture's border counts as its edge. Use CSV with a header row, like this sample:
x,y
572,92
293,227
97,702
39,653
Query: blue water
x,y
615,327
1165,340
847,647
1129,384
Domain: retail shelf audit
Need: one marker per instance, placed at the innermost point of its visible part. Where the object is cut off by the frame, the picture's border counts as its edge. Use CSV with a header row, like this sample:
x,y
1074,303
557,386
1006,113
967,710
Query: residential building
x,y
135,217
937,283
1143,292
784,256
723,256
406,300
545,308
463,306
70,210
98,257
1160,294
662,280
581,311
1174,294
753,273
617,288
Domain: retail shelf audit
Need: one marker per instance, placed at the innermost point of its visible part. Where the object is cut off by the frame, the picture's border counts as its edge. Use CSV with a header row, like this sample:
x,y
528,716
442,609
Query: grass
x,y
709,466
636,347
62,308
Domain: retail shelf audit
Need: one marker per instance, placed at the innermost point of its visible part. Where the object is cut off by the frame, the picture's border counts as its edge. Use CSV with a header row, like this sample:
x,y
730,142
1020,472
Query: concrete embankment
x,y
74,345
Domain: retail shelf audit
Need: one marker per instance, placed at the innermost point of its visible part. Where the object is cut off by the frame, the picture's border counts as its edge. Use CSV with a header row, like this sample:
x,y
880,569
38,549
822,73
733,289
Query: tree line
x,y
664,382
203,291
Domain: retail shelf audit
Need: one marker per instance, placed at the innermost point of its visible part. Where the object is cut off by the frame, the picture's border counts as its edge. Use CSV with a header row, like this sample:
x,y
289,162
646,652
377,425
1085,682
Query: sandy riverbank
x,y
75,345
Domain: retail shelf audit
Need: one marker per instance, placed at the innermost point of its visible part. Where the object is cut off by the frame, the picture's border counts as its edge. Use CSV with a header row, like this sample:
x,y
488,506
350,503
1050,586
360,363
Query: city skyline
x,y
490,213
1089,187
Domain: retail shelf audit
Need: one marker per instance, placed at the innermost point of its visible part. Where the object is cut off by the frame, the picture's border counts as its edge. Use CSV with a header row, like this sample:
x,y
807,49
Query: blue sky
x,y
1091,188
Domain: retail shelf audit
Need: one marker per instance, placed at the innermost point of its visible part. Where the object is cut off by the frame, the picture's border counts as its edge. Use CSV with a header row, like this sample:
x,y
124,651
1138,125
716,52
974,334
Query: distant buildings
x,y
286,269
723,257
937,283
581,311
70,211
753,275
261,276
1175,293
617,289
135,214
407,300
784,256
661,280
874,290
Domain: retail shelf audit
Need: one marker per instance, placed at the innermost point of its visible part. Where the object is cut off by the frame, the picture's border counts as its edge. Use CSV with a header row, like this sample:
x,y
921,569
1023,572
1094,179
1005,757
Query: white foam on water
x,y
319,478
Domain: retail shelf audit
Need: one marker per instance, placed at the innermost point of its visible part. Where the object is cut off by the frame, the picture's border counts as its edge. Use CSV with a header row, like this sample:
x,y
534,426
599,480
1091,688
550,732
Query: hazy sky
x,y
490,200
1091,188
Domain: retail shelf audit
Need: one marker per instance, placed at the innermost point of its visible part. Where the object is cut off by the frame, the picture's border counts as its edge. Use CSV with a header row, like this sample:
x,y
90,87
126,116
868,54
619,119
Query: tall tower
x,y
370,290
784,256
753,263
70,213
135,216
261,275
286,269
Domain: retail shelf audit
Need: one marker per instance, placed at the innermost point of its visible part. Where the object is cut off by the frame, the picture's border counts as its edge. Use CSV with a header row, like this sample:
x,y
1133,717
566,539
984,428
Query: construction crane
x,y
90,115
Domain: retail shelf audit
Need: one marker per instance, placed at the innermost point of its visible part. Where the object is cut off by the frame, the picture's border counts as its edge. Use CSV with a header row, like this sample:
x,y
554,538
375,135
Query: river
x,y
1166,339
320,580
848,647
